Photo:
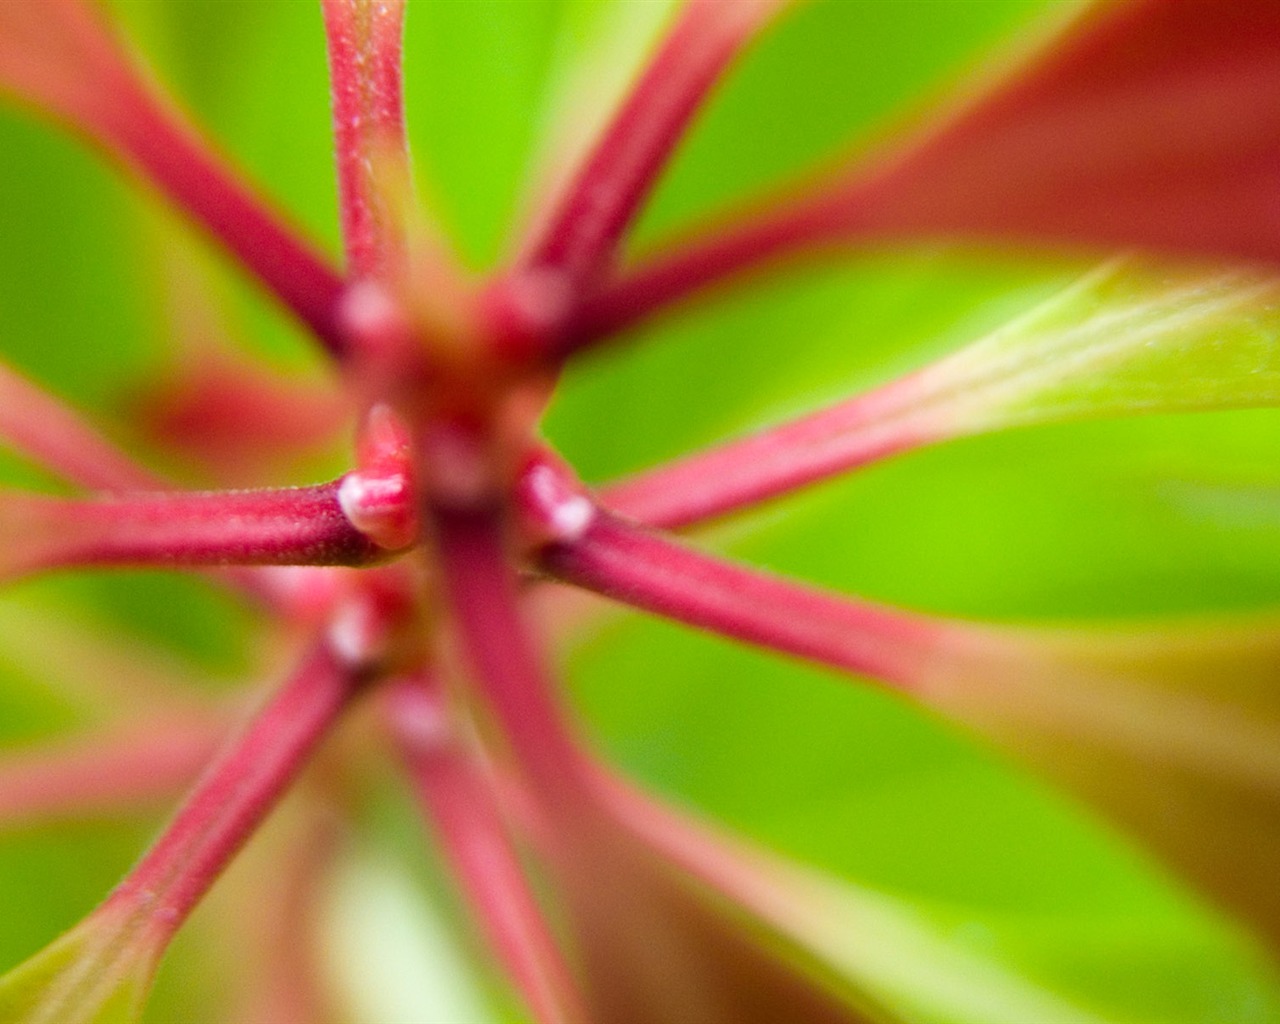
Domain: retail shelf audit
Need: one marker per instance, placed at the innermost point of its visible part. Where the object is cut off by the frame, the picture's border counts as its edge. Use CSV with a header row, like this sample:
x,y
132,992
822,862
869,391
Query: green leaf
x,y
88,976
1173,731
779,939
1125,339
887,801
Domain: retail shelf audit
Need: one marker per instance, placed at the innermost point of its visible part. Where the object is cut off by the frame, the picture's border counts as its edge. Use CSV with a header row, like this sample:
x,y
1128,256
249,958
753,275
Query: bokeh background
x,y
1142,518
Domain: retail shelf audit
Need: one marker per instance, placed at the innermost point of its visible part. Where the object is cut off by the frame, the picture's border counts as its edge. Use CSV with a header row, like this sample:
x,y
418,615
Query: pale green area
x,y
391,956
1081,521
76,980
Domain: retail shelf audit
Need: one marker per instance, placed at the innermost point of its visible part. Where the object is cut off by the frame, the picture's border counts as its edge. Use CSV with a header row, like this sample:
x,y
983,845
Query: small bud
x,y
554,508
524,310
378,498
380,505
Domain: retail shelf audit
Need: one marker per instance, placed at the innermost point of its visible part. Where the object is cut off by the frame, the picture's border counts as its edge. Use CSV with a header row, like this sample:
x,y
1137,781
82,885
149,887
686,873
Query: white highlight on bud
x,y
379,505
562,513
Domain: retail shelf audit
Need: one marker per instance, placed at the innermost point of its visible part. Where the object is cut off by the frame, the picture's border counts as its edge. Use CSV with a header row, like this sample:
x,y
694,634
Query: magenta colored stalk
x,y
775,461
64,57
183,166
578,239
756,237
233,797
48,432
286,526
43,429
364,38
501,651
649,571
126,768
458,798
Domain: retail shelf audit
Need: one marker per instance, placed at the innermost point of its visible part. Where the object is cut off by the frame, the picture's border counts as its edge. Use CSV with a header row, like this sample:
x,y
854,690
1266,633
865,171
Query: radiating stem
x,y
457,796
501,650
286,526
841,214
751,470
368,124
61,55
648,571
575,243
199,183
233,797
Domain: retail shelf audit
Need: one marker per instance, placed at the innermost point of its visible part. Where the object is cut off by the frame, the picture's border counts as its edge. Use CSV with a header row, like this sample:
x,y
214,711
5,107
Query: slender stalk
x,y
648,571
126,768
364,38
1060,147
457,796
836,214
286,526
573,246
483,595
45,430
775,461
62,56
50,433
233,797
183,166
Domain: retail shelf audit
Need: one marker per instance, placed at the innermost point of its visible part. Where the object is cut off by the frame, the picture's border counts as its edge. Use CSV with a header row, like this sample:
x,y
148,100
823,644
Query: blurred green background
x,y
1138,518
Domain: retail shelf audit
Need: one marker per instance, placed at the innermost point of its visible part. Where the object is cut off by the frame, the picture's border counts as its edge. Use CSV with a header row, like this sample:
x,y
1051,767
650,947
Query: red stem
x,y
234,796
287,526
457,796
781,459
124,769
63,56
756,236
45,430
648,571
364,38
484,597
573,247
174,158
